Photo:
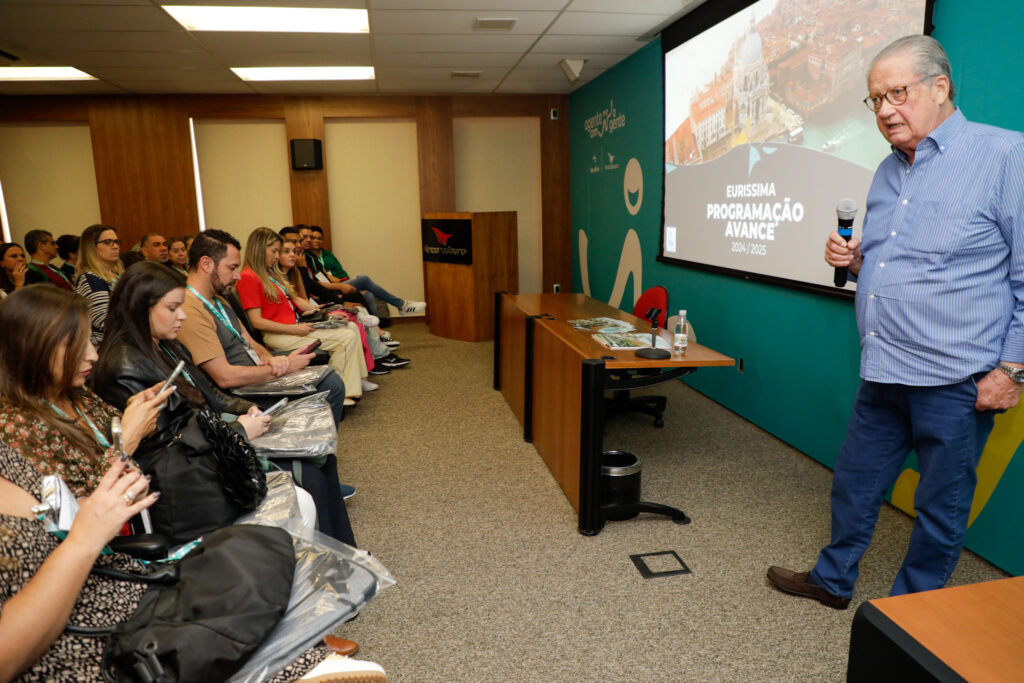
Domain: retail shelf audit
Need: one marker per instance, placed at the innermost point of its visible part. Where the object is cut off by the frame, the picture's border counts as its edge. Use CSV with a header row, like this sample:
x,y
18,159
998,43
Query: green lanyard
x,y
95,432
219,312
184,372
286,298
56,270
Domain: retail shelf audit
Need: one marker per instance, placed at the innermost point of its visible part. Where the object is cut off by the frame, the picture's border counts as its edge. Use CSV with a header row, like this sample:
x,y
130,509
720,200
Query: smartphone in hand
x,y
174,375
276,407
311,348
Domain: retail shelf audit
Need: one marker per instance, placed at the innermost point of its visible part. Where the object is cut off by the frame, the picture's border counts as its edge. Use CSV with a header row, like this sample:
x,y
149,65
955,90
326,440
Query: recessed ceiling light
x,y
43,73
270,19
305,73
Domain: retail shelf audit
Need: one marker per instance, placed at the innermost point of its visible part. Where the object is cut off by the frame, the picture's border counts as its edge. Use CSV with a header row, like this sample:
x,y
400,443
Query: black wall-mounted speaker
x,y
307,155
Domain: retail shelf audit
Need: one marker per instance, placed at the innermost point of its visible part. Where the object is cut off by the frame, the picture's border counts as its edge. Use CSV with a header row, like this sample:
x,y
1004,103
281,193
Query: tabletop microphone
x,y
845,210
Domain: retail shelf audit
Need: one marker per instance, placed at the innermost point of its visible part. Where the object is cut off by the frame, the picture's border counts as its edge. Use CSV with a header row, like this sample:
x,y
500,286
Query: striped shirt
x,y
940,294
96,292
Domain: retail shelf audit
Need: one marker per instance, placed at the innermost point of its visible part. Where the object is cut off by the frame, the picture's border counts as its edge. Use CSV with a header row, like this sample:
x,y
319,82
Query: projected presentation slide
x,y
766,132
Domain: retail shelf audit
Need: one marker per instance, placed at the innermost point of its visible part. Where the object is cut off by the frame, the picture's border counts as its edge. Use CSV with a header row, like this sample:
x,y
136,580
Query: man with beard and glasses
x,y
218,341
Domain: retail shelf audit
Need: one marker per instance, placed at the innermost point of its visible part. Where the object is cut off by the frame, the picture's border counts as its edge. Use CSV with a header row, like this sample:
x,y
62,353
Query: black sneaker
x,y
393,361
378,370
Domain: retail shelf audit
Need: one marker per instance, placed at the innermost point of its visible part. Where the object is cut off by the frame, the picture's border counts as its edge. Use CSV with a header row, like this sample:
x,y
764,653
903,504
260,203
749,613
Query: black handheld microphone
x,y
845,210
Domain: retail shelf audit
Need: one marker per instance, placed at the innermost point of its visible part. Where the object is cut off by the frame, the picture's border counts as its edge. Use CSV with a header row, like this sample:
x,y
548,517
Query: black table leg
x,y
497,340
591,520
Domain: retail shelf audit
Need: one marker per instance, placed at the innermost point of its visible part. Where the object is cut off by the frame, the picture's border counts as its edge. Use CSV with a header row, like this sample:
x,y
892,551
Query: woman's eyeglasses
x,y
109,243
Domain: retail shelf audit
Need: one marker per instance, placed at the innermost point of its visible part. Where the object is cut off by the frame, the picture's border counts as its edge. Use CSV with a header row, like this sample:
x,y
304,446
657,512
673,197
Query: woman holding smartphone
x,y
140,348
47,413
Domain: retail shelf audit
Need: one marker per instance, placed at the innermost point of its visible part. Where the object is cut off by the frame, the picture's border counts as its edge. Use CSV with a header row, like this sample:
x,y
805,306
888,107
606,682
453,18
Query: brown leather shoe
x,y
340,646
799,583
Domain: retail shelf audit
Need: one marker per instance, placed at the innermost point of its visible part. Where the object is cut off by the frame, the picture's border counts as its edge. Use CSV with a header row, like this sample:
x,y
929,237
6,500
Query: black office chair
x,y
655,298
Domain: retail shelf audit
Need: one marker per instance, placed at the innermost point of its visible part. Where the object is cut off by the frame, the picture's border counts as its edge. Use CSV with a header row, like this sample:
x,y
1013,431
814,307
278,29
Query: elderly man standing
x,y
940,309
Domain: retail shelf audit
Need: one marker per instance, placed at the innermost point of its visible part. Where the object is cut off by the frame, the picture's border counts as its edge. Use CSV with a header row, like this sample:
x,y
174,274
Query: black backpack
x,y
202,617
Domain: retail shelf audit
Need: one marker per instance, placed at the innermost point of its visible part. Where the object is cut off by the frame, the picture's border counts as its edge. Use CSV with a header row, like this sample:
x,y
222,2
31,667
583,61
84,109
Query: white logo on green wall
x,y
633,186
605,121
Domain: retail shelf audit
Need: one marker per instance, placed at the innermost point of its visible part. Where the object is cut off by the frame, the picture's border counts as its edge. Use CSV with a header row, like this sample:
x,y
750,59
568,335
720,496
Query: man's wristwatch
x,y
1016,374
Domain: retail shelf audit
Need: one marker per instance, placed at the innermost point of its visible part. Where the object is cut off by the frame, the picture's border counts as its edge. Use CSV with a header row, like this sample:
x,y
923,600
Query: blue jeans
x,y
365,283
889,420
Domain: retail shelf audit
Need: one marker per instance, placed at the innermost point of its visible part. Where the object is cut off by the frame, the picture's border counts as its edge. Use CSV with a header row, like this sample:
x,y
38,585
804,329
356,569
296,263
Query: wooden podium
x,y
467,257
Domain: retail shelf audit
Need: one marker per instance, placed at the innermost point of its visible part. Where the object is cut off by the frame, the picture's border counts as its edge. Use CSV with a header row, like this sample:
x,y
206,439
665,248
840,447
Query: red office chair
x,y
621,401
655,297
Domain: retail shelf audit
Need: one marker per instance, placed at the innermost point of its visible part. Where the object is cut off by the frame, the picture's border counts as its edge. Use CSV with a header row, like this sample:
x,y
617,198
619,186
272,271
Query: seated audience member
x,y
312,240
42,249
188,241
218,341
45,583
98,270
47,413
154,247
303,277
13,269
177,255
140,348
267,299
378,356
67,249
130,258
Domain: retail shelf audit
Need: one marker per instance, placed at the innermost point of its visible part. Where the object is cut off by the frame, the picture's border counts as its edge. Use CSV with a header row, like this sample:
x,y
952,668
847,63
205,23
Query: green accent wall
x,y
800,351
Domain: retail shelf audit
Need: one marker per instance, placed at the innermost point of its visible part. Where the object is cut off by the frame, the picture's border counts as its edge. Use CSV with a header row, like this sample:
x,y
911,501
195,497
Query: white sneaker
x,y
369,386
336,668
388,340
410,307
366,319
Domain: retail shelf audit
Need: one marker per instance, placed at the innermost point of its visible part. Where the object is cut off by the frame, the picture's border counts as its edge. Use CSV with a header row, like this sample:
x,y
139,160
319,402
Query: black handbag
x,y
202,617
239,470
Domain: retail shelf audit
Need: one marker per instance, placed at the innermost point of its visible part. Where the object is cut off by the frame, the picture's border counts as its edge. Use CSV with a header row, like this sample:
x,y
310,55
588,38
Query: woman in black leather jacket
x,y
140,348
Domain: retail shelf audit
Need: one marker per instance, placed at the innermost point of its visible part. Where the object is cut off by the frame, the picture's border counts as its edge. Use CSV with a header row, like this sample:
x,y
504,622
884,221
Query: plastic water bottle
x,y
681,337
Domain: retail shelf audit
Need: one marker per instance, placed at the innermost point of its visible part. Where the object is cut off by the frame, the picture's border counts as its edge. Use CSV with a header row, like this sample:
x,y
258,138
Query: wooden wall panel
x,y
555,205
303,119
143,156
435,139
144,168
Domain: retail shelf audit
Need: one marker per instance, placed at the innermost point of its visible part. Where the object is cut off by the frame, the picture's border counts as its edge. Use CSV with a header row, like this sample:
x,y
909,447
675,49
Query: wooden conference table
x,y
972,633
554,378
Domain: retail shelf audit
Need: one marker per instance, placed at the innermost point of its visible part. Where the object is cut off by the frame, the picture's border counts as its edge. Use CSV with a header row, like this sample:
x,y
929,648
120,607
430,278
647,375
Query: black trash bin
x,y
620,482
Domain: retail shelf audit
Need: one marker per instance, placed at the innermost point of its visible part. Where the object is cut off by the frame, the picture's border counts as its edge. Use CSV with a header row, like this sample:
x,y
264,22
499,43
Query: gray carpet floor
x,y
495,584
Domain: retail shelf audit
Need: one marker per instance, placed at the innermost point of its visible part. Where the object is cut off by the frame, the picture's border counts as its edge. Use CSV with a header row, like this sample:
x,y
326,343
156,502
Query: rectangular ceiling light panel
x,y
270,19
43,73
305,73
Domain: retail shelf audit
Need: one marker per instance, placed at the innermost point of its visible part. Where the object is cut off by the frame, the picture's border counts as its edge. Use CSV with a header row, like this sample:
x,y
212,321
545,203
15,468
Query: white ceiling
x,y
133,46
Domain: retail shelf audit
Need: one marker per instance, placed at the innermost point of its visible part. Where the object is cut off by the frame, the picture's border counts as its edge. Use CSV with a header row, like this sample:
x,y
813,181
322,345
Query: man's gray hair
x,y
929,59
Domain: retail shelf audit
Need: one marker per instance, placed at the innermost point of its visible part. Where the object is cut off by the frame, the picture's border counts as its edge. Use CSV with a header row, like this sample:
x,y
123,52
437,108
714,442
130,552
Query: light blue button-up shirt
x,y
940,293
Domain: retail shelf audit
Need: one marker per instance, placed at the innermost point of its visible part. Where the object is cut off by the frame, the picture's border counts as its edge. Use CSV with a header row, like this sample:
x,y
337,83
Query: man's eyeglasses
x,y
109,242
894,96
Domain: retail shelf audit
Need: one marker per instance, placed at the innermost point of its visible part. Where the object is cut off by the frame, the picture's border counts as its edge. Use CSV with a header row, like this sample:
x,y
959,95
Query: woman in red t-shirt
x,y
269,301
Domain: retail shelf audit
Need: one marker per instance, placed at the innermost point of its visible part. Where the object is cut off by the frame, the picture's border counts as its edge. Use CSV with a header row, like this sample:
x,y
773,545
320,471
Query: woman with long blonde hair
x,y
98,270
274,308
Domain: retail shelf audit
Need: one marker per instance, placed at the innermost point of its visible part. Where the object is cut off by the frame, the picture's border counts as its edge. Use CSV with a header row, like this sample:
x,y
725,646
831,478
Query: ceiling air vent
x,y
494,24
463,73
